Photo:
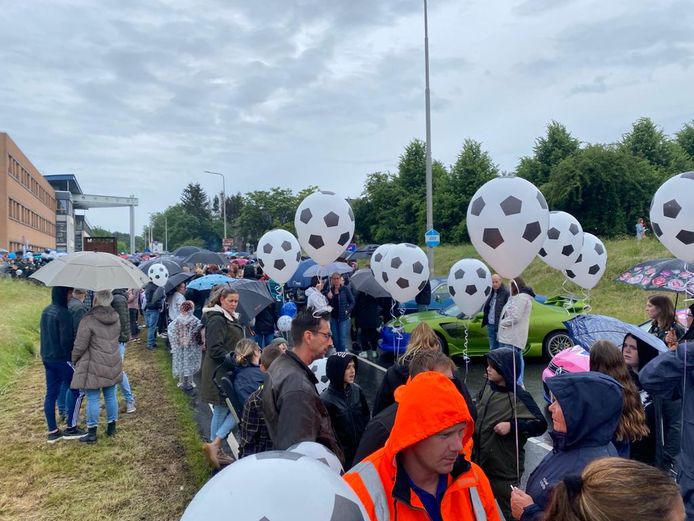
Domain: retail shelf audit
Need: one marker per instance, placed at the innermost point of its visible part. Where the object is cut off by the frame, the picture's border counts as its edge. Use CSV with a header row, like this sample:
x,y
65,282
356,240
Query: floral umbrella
x,y
661,275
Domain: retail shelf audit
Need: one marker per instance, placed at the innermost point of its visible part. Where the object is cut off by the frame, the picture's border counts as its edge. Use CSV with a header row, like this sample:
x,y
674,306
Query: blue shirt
x,y
432,504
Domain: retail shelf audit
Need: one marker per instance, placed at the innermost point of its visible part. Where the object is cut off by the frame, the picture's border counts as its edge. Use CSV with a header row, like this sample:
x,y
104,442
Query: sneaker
x,y
73,433
54,436
130,408
364,354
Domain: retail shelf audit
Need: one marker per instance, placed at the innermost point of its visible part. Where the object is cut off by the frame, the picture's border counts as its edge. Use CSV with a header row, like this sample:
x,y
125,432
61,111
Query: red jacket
x,y
428,404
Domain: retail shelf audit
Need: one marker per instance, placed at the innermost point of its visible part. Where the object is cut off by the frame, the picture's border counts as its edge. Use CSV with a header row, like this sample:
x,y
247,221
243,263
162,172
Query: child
x,y
185,350
495,429
246,370
253,432
346,403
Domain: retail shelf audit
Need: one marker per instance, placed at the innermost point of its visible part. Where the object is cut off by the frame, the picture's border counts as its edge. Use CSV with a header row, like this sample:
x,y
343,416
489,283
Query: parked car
x,y
440,298
547,335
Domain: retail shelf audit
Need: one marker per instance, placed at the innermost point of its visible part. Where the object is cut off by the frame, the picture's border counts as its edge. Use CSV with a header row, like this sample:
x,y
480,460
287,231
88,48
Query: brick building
x,y
27,202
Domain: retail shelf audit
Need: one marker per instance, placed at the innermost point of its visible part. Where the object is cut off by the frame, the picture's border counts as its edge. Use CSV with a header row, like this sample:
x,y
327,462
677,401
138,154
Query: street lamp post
x,y
224,205
166,233
430,209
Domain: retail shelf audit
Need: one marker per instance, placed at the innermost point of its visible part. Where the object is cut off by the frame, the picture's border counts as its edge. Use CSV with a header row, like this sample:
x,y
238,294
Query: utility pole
x,y
224,205
430,209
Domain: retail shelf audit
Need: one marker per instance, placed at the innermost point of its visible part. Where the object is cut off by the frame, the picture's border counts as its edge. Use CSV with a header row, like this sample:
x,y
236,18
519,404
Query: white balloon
x,y
284,323
507,222
377,261
319,369
324,224
404,271
320,453
564,241
276,485
672,215
158,274
590,264
469,283
279,255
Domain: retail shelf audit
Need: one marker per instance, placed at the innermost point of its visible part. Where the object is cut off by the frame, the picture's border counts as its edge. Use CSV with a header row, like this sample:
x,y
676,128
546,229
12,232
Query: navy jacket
x,y
502,295
342,302
247,378
57,335
592,406
663,377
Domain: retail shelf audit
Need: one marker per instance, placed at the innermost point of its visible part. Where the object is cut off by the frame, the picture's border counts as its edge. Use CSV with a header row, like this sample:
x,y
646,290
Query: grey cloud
x,y
597,86
534,7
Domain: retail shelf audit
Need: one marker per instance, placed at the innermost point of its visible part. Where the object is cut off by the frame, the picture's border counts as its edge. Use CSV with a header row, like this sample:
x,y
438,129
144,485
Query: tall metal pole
x,y
430,208
224,204
132,228
166,233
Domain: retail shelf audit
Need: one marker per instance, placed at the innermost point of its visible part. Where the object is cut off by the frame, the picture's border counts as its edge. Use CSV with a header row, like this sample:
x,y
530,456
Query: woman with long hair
x,y
422,338
606,358
661,311
613,489
222,333
247,374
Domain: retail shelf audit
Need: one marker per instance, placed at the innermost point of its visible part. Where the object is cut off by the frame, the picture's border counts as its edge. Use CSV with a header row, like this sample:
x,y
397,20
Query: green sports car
x,y
546,335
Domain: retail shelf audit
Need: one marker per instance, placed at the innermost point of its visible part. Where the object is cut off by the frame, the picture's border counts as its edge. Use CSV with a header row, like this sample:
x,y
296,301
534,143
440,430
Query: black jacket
x,y
153,303
502,295
265,320
423,298
367,311
346,404
120,304
396,375
57,335
77,309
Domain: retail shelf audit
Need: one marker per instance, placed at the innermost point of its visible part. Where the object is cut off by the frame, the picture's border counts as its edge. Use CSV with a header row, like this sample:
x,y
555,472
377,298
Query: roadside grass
x,y
150,470
607,298
21,304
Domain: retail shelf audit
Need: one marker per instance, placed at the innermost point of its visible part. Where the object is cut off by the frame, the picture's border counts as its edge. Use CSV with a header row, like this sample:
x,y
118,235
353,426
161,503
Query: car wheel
x,y
444,344
556,342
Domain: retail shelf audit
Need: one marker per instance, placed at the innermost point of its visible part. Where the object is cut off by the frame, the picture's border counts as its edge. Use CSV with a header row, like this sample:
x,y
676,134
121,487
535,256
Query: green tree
x,y
548,152
604,187
649,142
685,139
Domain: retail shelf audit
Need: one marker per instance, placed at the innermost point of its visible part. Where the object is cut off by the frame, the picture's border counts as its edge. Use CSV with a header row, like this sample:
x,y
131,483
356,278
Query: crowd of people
x,y
428,449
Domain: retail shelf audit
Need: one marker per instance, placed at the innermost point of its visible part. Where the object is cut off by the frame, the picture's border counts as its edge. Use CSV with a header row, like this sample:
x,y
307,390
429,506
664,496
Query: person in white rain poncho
x,y
186,345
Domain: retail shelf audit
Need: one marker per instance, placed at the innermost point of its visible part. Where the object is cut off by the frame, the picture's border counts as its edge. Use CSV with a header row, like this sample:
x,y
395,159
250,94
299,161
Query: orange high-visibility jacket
x,y
428,404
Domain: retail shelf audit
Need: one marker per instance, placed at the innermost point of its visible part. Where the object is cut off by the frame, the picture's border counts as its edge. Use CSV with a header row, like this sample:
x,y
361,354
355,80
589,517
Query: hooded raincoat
x,y
428,404
57,333
592,406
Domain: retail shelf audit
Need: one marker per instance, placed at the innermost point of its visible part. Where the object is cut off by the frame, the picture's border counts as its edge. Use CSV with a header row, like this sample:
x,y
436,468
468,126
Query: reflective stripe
x,y
477,506
372,481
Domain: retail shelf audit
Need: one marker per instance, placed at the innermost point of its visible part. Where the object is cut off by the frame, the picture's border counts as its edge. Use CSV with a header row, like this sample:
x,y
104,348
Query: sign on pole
x,y
432,238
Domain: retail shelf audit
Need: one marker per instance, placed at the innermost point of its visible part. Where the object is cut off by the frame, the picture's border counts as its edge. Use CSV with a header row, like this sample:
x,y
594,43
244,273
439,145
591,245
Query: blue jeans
x,y
492,330
520,369
93,405
264,339
340,331
63,397
222,422
57,374
151,320
125,383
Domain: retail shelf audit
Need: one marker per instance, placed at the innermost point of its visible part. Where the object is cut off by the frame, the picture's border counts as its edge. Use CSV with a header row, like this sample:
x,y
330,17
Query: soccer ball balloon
x,y
158,274
404,271
320,453
590,264
279,255
469,283
507,222
672,215
318,367
564,241
377,262
300,488
284,323
324,224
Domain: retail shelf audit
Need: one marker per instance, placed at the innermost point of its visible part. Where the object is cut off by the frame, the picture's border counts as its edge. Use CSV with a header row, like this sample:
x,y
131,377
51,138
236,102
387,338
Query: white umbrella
x,y
328,269
91,270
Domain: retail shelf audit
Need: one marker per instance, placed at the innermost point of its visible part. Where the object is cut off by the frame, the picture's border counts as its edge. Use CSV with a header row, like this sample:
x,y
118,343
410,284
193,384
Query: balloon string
x,y
466,358
398,328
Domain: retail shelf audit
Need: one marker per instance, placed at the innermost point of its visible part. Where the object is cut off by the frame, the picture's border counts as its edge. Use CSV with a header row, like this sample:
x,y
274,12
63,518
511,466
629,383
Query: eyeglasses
x,y
326,335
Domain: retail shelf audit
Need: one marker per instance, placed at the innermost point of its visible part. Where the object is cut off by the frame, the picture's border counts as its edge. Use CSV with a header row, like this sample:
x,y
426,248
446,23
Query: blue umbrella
x,y
585,330
208,282
299,280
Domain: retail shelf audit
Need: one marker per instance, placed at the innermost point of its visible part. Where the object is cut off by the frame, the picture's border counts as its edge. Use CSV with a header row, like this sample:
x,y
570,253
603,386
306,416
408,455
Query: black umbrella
x,y
254,296
364,281
205,257
171,284
172,266
184,251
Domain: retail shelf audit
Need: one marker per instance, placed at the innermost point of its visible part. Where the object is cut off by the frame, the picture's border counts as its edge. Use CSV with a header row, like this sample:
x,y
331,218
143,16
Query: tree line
x,y
607,187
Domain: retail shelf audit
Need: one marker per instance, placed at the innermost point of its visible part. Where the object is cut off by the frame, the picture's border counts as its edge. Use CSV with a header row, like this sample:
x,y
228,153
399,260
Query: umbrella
x,y
299,280
91,270
172,266
585,330
254,296
328,269
184,251
171,284
660,275
205,257
364,281
208,282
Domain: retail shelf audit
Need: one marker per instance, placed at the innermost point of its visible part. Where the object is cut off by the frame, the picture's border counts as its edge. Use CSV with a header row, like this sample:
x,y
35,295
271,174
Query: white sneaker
x,y
130,408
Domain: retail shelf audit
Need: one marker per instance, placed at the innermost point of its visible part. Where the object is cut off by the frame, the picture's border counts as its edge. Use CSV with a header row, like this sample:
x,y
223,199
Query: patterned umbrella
x,y
660,275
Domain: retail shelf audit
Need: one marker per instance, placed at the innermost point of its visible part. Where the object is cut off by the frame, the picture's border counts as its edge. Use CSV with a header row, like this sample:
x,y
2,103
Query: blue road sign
x,y
432,238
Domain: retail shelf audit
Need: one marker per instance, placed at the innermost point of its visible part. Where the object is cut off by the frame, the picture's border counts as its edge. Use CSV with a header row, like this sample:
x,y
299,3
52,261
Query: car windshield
x,y
450,311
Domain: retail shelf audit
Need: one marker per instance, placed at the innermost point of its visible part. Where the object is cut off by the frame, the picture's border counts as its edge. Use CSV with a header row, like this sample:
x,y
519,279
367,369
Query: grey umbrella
x,y
254,296
184,251
205,257
364,281
173,267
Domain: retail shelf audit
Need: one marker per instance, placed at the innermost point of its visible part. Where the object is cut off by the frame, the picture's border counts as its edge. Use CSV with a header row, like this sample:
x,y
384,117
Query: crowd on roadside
x,y
20,266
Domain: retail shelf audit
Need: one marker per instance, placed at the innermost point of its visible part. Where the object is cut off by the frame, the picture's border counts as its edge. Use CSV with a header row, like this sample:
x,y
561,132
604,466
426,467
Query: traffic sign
x,y
432,238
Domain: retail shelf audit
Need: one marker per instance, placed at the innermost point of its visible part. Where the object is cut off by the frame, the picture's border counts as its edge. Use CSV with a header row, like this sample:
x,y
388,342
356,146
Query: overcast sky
x,y
140,99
